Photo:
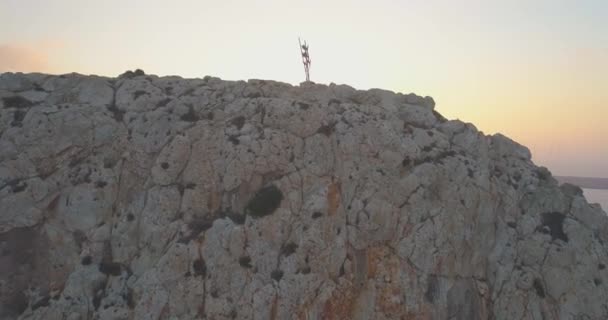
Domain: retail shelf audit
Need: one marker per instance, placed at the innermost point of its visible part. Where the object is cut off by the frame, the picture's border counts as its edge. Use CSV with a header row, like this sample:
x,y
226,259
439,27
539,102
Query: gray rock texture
x,y
145,197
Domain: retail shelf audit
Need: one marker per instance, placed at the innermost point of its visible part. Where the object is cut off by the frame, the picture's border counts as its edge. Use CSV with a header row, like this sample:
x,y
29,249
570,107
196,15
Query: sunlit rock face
x,y
142,197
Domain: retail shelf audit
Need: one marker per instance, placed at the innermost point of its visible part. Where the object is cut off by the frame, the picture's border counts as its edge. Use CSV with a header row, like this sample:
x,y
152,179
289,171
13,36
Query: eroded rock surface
x,y
142,197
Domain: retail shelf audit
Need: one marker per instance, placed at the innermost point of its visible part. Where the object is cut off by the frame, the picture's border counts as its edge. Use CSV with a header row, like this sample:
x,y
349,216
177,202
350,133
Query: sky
x,y
534,70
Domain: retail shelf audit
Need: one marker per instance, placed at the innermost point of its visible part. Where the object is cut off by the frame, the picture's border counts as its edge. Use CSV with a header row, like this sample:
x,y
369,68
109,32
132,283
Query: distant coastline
x,y
584,182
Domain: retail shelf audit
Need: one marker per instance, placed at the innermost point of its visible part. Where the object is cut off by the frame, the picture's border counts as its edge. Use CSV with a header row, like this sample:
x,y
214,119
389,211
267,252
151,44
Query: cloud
x,y
24,58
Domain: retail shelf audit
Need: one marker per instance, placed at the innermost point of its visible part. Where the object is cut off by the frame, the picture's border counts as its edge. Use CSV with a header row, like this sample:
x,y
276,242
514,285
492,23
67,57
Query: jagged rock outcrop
x,y
142,197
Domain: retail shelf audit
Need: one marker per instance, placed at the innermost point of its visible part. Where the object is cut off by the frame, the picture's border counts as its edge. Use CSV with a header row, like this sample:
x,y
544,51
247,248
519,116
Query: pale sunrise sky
x,y
534,70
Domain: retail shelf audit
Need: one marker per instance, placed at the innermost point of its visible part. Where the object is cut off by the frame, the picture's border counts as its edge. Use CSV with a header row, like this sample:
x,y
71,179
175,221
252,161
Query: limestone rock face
x,y
142,197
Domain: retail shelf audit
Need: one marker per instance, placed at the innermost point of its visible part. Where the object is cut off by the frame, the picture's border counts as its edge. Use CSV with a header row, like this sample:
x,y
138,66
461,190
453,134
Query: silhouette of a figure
x,y
305,58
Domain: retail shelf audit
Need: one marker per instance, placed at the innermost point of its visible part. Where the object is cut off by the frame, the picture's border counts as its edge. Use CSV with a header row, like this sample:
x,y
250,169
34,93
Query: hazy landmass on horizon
x,y
585,182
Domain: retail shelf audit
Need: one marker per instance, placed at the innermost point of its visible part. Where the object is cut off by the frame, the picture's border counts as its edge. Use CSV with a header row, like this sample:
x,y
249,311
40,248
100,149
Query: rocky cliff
x,y
144,197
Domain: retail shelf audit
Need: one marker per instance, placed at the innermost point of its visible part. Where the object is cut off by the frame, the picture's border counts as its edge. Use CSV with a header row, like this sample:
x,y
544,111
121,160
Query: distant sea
x,y
597,196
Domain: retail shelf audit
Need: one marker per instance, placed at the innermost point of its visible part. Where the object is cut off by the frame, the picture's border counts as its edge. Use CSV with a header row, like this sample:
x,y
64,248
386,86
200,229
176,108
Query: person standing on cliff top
x,y
305,58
